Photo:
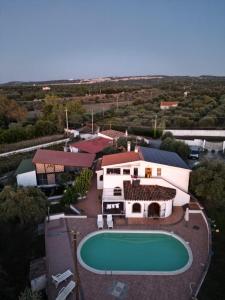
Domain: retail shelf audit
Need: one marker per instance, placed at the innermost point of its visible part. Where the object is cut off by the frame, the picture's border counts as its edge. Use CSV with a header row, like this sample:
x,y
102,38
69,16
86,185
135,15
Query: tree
x,y
70,196
166,135
10,111
170,144
83,181
28,294
208,183
22,205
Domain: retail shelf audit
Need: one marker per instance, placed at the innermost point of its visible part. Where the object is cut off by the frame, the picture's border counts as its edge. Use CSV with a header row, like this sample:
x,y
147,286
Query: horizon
x,y
52,40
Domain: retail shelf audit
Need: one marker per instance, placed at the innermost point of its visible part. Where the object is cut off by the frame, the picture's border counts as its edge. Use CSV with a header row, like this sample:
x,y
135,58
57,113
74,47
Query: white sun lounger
x,y
57,279
65,291
109,221
100,222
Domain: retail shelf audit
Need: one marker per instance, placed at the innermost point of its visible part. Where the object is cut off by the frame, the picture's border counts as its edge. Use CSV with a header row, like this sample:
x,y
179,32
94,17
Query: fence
x,y
34,147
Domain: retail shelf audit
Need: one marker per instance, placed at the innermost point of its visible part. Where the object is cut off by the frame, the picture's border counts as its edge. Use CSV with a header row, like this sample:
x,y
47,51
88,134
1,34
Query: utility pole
x,y
77,276
92,121
117,104
67,124
155,125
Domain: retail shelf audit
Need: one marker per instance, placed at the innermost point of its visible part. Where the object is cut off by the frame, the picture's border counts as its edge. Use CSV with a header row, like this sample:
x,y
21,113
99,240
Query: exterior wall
x,y
74,149
176,176
27,179
200,133
49,168
105,136
88,136
165,208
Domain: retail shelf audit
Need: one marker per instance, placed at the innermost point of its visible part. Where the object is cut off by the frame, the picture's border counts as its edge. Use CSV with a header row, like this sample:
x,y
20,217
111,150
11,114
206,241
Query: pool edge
x,y
115,272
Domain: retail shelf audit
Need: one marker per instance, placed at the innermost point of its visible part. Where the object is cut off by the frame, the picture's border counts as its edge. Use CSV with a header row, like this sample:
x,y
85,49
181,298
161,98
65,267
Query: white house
x,y
168,104
26,174
144,183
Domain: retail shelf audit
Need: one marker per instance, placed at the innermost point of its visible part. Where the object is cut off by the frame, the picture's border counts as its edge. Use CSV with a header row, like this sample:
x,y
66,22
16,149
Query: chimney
x,y
136,149
128,146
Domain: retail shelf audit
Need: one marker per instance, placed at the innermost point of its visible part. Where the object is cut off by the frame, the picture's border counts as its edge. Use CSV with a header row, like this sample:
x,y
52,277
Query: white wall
x,y
73,149
88,136
190,132
177,176
104,136
165,208
27,179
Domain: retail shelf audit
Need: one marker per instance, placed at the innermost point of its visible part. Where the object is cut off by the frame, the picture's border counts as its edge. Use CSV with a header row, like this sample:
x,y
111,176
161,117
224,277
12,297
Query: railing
x,y
108,194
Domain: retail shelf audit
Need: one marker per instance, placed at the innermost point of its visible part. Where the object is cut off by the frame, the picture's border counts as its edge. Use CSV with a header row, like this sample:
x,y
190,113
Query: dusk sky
x,y
64,39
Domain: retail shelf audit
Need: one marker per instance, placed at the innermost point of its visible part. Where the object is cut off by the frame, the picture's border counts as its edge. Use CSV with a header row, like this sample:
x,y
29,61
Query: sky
x,y
65,39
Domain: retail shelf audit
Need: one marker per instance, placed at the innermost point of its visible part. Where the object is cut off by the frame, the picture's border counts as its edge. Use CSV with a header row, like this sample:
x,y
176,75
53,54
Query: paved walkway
x,y
91,206
99,287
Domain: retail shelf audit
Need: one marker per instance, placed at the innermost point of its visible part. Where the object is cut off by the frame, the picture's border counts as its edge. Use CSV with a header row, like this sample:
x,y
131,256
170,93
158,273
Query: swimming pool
x,y
141,252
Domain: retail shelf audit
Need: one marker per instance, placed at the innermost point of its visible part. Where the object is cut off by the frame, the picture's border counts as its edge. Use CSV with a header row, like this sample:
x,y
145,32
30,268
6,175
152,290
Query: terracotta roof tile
x,y
168,103
93,145
113,133
69,159
119,158
136,191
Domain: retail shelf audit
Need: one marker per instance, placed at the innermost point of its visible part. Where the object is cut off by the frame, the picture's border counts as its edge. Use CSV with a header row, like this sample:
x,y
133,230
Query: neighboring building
x,y
87,132
144,183
94,146
167,105
50,164
111,134
46,88
25,173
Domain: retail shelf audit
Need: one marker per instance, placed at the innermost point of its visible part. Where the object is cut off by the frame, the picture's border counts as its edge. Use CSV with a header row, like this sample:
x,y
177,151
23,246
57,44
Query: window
x,y
136,208
113,171
42,179
126,171
159,172
117,191
135,171
148,172
101,178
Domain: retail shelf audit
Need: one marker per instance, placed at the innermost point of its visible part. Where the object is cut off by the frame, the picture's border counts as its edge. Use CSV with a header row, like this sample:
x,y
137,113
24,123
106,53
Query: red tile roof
x,y
93,145
114,134
84,160
147,192
120,158
168,103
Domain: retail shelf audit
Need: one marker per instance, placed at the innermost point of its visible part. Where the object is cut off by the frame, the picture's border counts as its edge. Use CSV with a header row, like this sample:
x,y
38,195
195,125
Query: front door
x,y
148,172
154,210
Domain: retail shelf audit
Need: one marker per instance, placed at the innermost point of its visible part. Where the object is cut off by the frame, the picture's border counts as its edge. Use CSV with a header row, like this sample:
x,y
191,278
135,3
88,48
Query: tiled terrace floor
x,y
99,287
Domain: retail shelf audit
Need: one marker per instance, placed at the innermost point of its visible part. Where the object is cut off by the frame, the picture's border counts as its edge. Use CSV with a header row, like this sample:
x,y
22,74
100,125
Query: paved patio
x,y
60,257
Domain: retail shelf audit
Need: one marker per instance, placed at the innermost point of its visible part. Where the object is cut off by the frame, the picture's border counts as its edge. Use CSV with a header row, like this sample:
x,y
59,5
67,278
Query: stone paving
x,y
99,287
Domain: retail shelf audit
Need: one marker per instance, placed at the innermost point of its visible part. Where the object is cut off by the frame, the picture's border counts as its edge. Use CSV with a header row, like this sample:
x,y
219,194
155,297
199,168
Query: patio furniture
x,y
100,222
57,279
65,291
109,221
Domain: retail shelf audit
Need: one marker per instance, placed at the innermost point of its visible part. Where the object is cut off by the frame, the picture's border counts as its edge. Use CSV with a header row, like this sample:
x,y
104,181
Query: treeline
x,y
16,134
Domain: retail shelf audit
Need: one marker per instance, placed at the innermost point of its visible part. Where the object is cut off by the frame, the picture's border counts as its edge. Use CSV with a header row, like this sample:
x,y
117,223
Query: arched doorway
x,y
154,210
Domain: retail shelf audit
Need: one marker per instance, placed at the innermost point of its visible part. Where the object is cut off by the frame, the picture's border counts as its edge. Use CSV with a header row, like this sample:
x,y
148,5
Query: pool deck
x,y
60,256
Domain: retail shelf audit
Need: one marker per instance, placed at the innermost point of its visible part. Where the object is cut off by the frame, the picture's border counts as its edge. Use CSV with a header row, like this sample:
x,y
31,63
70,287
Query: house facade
x,y
143,183
168,104
50,165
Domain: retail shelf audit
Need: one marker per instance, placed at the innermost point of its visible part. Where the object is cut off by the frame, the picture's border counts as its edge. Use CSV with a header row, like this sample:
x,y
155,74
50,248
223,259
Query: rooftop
x,y
168,103
114,134
147,192
68,159
93,145
25,166
163,157
120,158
